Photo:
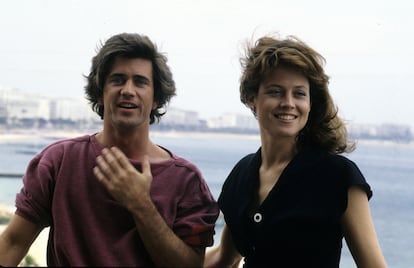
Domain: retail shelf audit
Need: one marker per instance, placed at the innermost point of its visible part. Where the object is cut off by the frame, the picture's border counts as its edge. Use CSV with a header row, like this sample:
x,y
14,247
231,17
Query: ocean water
x,y
388,168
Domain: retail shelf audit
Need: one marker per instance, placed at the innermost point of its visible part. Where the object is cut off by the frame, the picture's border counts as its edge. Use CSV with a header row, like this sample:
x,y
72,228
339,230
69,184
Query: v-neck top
x,y
298,223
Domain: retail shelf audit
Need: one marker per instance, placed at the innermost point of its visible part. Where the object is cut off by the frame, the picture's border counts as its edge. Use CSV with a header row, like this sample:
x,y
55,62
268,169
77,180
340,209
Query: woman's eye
x,y
301,93
274,92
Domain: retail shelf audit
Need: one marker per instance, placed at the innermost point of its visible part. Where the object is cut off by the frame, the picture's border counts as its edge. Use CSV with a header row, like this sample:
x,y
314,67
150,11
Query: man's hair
x,y
324,129
130,45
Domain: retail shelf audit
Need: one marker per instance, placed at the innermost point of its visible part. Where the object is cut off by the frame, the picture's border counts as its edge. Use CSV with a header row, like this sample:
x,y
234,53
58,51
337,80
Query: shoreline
x,y
26,135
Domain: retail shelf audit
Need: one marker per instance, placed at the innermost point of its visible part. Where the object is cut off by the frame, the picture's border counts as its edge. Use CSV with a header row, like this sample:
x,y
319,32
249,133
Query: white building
x,y
176,116
17,105
233,120
20,105
71,109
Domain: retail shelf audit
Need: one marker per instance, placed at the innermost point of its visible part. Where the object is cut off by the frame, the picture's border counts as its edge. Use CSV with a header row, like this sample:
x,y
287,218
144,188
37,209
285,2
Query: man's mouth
x,y
127,105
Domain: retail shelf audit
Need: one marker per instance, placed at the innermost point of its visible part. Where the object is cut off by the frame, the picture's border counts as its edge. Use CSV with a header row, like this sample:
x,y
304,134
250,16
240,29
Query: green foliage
x,y
5,216
4,219
29,261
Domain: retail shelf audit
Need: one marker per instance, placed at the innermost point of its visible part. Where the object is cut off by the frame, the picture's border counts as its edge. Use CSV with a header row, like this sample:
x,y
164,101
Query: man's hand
x,y
123,181
132,189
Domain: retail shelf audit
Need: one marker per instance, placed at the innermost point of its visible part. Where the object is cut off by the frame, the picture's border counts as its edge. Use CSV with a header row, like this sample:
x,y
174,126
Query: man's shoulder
x,y
184,162
68,143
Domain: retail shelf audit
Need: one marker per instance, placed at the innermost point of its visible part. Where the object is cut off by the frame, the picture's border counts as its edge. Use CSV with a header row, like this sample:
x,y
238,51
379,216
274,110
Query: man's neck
x,y
134,143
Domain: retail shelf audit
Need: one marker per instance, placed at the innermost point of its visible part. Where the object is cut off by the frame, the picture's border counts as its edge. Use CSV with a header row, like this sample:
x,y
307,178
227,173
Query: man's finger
x,y
146,166
110,159
122,160
101,177
104,165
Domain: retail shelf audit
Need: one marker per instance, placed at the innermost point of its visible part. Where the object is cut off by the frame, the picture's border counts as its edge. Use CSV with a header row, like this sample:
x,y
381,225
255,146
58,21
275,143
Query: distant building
x,y
233,120
176,116
22,110
18,106
394,132
71,109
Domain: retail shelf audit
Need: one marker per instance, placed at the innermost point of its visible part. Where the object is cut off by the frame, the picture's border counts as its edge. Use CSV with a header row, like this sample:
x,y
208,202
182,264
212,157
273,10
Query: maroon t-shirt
x,y
88,227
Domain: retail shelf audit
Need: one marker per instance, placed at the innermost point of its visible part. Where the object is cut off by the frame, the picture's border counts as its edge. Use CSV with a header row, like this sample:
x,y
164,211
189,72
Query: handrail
x,y
10,175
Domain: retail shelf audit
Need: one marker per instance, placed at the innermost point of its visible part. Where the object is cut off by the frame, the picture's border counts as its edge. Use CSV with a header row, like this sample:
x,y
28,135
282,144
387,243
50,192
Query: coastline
x,y
389,160
27,135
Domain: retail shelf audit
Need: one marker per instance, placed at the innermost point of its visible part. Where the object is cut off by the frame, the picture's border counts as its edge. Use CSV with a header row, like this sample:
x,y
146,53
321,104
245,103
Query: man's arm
x,y
164,246
16,240
132,189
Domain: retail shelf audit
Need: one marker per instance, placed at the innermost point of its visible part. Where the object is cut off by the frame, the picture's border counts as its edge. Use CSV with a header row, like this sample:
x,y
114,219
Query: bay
x,y
388,167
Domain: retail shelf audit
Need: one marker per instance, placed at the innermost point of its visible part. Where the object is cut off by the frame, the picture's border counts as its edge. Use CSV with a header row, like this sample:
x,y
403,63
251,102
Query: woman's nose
x,y
287,101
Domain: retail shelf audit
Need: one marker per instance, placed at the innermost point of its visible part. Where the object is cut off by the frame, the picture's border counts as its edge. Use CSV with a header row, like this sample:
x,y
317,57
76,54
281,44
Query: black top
x,y
298,224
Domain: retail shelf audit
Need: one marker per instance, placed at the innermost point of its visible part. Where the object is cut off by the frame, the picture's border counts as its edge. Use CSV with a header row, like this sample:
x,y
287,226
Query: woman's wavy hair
x,y
130,45
324,129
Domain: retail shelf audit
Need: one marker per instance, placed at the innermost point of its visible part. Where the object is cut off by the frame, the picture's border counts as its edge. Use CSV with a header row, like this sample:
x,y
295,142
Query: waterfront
x,y
387,166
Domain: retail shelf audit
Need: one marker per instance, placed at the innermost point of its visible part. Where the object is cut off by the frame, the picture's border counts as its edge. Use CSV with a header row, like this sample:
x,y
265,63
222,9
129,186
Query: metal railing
x,y
10,175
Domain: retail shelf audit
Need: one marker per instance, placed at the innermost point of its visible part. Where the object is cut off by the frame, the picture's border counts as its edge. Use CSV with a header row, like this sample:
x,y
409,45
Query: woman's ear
x,y
252,104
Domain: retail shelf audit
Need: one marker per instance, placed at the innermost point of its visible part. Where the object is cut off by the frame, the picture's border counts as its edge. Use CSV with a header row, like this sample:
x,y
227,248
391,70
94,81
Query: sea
x,y
387,166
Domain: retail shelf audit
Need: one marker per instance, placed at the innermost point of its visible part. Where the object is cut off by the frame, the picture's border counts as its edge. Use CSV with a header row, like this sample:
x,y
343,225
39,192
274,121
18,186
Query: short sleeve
x,y
355,177
33,202
197,214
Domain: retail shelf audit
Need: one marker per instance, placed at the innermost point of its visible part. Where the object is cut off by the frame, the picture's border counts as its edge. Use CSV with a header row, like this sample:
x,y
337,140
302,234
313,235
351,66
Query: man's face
x,y
128,95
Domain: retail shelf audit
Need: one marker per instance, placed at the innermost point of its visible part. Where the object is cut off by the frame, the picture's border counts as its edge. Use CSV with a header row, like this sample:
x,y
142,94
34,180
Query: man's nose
x,y
127,89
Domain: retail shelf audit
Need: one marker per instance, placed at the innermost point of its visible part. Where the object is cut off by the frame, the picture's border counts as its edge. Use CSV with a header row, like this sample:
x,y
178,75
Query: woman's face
x,y
282,104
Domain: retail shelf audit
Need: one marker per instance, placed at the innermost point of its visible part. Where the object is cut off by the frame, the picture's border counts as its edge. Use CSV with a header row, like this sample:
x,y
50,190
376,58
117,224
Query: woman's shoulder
x,y
323,157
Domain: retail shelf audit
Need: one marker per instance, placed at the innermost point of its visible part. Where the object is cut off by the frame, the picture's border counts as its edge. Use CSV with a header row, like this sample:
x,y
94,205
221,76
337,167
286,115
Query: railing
x,y
10,175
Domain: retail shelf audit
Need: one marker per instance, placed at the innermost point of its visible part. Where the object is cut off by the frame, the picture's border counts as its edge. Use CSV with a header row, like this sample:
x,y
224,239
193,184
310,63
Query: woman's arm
x,y
225,254
359,231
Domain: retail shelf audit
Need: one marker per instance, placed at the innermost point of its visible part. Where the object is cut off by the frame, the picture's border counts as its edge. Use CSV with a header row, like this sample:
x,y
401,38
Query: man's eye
x,y
140,82
116,80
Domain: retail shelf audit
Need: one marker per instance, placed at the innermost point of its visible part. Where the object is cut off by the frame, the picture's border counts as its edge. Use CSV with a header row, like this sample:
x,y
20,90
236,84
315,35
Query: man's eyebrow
x,y
139,77
115,74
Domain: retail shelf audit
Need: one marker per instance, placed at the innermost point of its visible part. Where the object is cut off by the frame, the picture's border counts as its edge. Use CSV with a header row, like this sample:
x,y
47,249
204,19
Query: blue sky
x,y
46,46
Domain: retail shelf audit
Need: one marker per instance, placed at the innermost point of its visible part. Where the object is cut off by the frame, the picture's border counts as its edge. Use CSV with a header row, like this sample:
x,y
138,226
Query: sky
x,y
46,47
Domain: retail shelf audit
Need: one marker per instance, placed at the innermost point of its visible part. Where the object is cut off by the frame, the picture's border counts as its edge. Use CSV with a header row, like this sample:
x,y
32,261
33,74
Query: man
x,y
115,198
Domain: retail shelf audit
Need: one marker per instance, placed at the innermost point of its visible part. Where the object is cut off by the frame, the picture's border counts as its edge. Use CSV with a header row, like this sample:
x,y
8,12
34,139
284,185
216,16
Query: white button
x,y
257,217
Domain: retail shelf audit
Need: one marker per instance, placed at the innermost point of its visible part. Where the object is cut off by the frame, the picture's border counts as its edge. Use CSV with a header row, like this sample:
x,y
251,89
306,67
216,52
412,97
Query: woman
x,y
292,202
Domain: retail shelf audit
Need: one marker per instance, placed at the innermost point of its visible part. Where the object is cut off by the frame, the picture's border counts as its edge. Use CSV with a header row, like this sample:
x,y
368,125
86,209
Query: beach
x,y
27,135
